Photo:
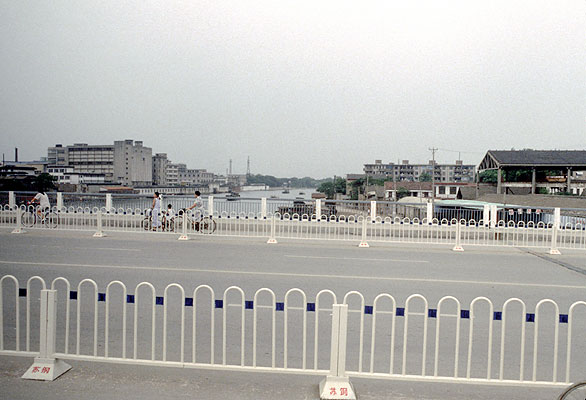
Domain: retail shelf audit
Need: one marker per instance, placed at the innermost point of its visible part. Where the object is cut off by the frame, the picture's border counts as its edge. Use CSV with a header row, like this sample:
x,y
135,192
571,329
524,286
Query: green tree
x,y
425,177
402,192
330,188
44,182
488,176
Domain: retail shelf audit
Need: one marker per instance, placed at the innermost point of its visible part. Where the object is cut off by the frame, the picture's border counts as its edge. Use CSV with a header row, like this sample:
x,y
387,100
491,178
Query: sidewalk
x,y
96,381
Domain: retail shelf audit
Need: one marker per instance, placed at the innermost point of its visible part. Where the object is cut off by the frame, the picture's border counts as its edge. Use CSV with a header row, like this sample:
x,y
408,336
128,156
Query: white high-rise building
x,y
133,163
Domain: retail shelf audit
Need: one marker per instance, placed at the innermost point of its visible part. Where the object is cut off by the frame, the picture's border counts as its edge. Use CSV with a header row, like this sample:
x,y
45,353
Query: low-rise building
x,y
457,172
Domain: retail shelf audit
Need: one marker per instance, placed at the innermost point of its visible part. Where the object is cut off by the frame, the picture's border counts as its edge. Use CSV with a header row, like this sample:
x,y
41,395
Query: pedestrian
x,y
156,211
168,217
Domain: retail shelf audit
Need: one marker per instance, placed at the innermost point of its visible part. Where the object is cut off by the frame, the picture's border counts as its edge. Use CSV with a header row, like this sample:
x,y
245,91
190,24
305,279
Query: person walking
x,y
156,211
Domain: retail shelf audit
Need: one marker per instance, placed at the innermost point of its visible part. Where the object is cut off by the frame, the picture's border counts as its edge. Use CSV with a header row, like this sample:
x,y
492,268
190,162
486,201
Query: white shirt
x,y
43,200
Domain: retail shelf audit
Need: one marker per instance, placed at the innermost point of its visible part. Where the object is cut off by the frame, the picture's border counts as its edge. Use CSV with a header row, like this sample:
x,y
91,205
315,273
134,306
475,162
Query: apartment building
x,y
193,177
84,158
457,172
67,175
172,173
160,165
133,163
126,162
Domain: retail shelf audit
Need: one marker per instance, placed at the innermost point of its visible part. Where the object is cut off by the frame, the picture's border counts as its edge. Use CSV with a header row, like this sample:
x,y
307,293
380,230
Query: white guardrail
x,y
200,328
554,235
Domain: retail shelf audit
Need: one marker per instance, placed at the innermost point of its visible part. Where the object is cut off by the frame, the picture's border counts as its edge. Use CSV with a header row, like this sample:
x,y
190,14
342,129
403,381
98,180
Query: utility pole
x,y
248,166
433,150
230,166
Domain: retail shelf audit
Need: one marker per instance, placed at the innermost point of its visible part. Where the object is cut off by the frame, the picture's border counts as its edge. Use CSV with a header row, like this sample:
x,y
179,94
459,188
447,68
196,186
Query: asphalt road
x,y
433,271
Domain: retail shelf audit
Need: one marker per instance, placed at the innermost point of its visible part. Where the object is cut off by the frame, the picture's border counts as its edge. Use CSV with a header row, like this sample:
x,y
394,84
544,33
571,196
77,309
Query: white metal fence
x,y
340,208
480,341
553,235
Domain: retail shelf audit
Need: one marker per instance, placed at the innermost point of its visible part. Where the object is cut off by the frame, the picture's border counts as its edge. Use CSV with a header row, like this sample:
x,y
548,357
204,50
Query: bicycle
x,y
205,225
166,223
30,217
575,392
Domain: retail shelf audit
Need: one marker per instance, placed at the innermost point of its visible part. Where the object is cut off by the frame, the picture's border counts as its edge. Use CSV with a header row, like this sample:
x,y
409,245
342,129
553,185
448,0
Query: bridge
x,y
477,350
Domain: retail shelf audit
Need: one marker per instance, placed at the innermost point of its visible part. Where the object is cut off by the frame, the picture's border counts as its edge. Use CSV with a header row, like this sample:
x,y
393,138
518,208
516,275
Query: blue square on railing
x,y
159,301
368,309
465,314
188,302
432,313
498,316
219,303
311,307
22,292
249,304
530,317
101,296
280,306
130,298
400,312
563,318
73,295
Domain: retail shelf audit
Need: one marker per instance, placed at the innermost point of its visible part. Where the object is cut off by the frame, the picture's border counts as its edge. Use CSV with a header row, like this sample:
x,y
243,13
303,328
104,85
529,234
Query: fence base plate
x,y
272,241
183,237
44,369
458,248
554,252
363,244
335,387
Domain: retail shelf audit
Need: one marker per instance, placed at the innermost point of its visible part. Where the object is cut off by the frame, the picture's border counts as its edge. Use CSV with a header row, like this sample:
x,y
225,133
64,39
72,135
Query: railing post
x,y
18,228
429,213
458,245
59,201
493,215
318,209
11,200
272,237
554,232
486,215
211,206
184,227
263,207
108,202
99,233
363,242
372,210
46,367
337,385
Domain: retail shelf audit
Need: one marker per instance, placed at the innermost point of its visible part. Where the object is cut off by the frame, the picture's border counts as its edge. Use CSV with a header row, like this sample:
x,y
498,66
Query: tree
x,y
44,182
488,176
330,188
402,192
425,177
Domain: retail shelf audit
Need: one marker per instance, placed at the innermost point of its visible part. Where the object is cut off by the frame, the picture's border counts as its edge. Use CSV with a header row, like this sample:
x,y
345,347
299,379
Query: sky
x,y
303,88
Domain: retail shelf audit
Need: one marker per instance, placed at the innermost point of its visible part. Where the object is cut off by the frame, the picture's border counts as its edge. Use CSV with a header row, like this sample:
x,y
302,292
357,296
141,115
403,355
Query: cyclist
x,y
44,205
197,204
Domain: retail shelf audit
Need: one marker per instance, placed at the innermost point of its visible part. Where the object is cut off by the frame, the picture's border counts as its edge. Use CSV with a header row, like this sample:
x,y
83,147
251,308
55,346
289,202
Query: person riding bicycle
x,y
43,203
197,204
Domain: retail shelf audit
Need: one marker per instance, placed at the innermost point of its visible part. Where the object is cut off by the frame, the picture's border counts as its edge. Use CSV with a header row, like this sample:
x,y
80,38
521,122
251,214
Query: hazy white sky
x,y
302,87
